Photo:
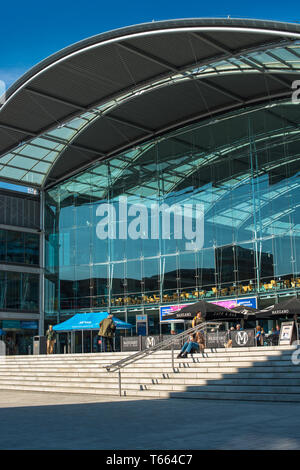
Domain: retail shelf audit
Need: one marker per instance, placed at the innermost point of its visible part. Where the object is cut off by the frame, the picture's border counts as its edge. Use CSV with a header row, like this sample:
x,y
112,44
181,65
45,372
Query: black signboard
x,y
130,343
177,345
150,341
243,338
216,340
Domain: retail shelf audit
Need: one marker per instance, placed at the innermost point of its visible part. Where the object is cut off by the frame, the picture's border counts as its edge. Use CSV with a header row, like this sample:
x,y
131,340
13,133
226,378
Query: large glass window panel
x,y
15,247
82,246
188,275
100,285
3,252
13,291
32,244
30,292
206,269
170,269
82,287
51,294
3,289
151,279
117,274
285,262
134,277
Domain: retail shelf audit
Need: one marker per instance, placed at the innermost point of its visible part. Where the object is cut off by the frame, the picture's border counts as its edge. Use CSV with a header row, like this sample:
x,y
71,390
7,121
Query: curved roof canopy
x,y
116,90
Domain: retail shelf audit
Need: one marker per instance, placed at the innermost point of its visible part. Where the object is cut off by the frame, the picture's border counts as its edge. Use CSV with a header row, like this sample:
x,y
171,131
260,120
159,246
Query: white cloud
x,y
10,75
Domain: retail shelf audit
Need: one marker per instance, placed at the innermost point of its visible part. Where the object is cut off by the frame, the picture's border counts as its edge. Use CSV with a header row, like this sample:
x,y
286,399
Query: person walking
x,y
106,333
51,339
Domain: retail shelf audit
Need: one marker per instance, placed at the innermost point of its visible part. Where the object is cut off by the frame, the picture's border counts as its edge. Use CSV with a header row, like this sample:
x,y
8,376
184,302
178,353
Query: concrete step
x,y
280,378
212,362
175,380
142,369
241,373
160,394
225,355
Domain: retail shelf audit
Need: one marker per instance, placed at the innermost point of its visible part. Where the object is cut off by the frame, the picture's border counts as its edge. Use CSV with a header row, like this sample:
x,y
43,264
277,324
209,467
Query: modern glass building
x,y
164,159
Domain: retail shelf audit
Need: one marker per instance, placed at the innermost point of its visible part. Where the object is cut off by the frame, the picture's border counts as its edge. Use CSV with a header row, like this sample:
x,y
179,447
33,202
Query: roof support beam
x,y
213,43
128,123
222,90
232,53
169,127
17,129
53,139
56,99
87,109
147,56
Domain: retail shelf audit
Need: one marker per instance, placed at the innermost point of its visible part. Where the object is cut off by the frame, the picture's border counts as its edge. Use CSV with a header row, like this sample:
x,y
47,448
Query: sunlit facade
x,y
243,170
148,167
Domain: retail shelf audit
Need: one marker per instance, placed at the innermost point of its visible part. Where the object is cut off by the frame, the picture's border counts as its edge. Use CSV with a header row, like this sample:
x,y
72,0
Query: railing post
x,y
173,356
120,386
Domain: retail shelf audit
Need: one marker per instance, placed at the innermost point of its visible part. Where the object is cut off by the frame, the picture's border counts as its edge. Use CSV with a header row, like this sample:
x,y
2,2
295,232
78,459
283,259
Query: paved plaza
x,y
32,420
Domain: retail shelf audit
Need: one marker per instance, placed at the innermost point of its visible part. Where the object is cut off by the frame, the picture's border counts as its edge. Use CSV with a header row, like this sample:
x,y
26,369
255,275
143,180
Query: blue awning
x,y
89,321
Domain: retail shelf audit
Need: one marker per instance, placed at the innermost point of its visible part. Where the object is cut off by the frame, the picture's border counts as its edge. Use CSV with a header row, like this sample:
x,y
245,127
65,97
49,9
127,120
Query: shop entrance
x,y
18,336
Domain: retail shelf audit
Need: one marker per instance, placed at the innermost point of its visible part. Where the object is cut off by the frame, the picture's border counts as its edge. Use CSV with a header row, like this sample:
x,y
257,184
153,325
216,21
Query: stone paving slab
x,y
32,420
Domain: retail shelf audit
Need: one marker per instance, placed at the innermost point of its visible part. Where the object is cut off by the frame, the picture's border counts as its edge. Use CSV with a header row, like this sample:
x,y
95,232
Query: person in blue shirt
x,y
259,336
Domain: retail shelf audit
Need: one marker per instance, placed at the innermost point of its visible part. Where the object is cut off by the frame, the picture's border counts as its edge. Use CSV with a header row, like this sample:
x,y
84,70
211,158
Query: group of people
x,y
195,342
105,336
261,336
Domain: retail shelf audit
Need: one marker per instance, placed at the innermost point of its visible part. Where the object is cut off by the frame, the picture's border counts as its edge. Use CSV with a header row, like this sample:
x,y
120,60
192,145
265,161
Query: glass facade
x,y
19,247
19,291
110,244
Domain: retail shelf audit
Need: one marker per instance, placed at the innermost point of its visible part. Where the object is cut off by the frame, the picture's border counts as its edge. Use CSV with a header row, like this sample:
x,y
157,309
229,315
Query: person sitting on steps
x,y
195,343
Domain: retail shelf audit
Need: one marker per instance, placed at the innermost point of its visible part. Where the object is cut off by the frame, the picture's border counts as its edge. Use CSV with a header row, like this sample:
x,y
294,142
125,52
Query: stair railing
x,y
117,366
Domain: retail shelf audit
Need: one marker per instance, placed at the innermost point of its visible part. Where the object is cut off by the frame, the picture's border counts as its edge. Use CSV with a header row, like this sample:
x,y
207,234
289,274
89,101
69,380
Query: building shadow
x,y
259,381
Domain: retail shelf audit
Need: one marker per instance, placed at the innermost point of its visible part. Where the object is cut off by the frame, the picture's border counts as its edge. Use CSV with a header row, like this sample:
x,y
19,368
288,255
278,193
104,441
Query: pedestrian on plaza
x,y
51,339
106,333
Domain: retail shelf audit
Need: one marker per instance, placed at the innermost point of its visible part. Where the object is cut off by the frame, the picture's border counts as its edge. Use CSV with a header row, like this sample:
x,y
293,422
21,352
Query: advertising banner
x,y
249,302
165,310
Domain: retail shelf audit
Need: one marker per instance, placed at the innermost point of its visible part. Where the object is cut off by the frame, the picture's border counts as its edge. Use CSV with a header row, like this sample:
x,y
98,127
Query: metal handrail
x,y
117,366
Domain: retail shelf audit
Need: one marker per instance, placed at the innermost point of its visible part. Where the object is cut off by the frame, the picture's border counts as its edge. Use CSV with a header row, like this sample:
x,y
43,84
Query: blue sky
x,y
32,30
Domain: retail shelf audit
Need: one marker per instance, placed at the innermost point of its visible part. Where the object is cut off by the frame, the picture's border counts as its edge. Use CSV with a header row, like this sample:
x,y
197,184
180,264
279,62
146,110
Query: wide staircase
x,y
261,374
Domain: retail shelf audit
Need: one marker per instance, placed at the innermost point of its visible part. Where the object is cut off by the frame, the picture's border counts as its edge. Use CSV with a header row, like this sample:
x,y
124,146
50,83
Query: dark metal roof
x,y
137,83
